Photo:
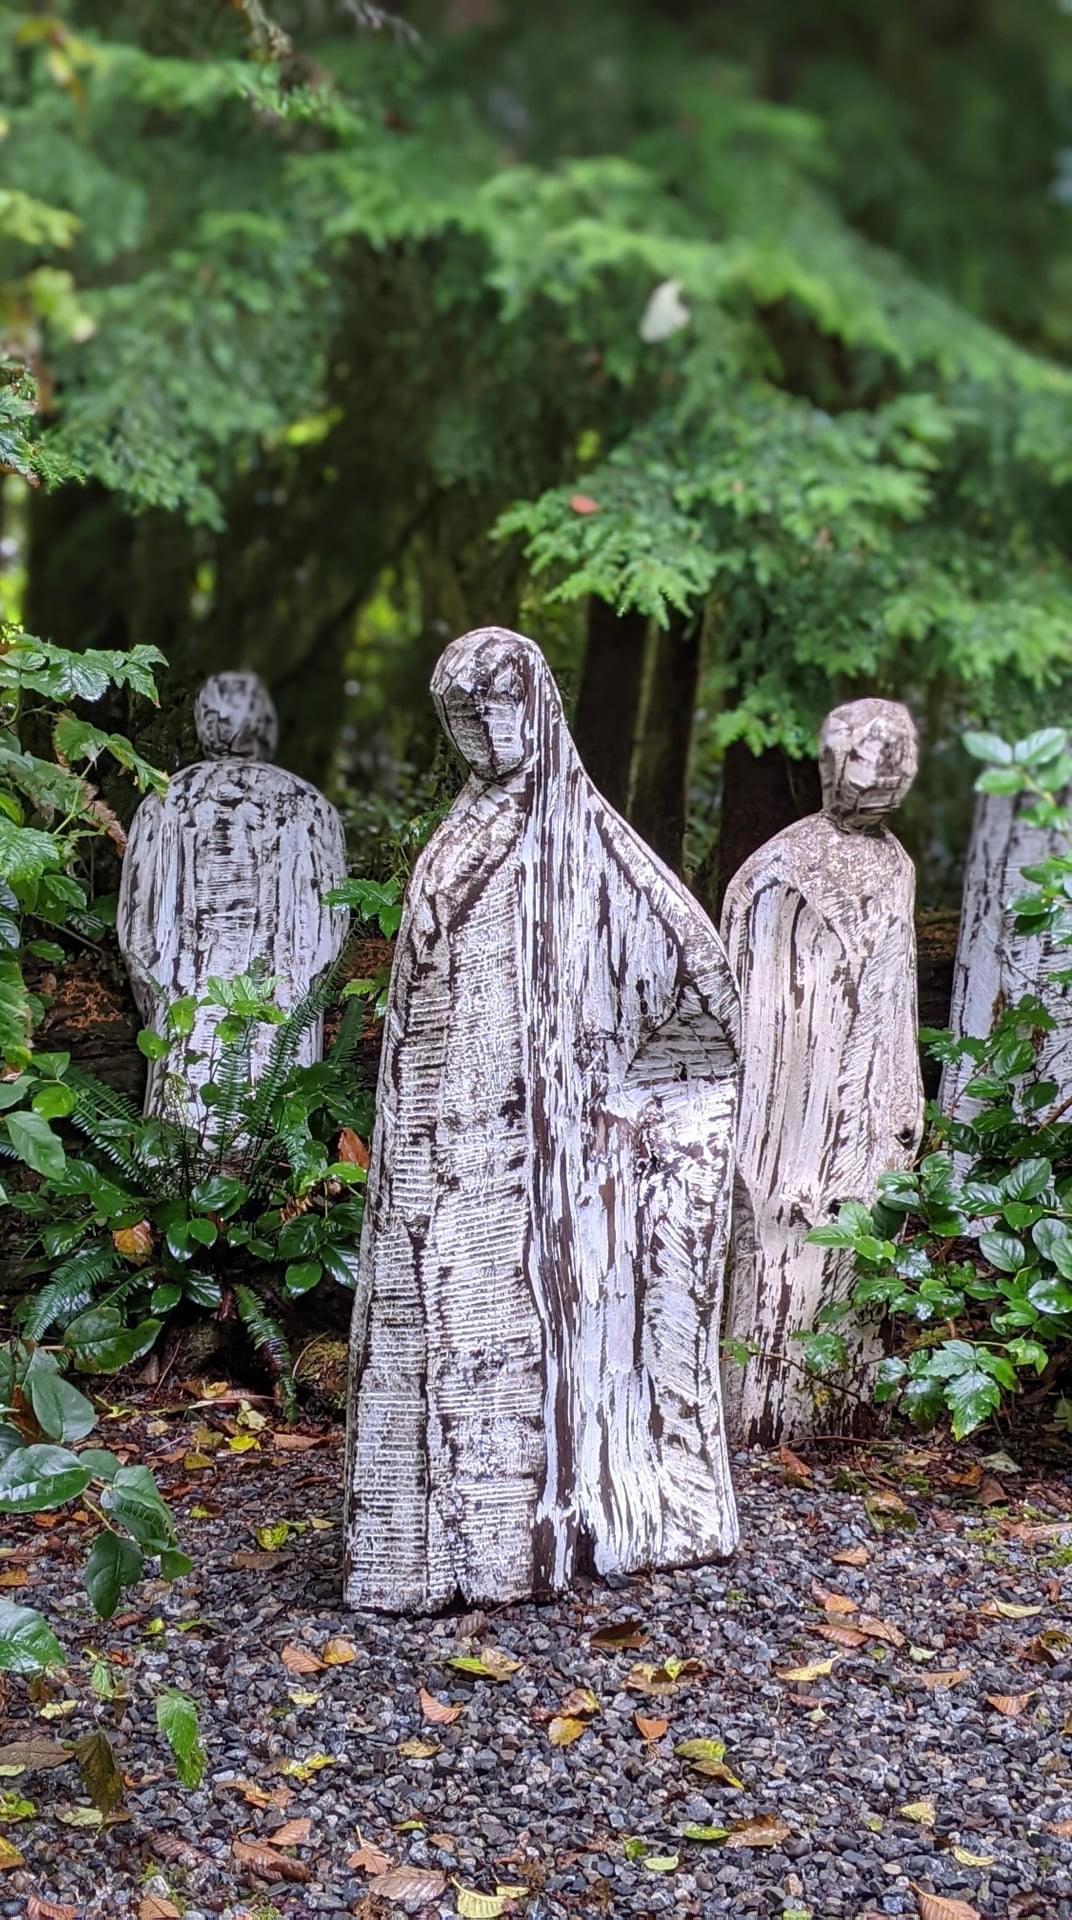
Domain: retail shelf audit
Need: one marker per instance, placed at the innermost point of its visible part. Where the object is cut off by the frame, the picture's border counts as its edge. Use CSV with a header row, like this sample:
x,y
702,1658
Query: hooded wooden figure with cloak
x,y
534,1384
819,929
226,870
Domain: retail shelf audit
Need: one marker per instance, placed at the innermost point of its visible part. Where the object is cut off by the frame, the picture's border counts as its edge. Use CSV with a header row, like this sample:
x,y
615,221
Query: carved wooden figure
x,y
535,1344
995,965
819,928
227,869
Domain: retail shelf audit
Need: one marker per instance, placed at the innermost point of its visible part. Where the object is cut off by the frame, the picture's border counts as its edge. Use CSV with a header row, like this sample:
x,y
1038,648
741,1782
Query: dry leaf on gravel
x,y
154,1908
338,1653
418,1749
279,1797
33,1755
492,1664
797,1471
841,1636
832,1602
565,1728
624,1635
581,1701
923,1812
294,1833
967,1859
933,1906
1009,1610
1062,1828
1009,1704
251,1560
766,1830
38,1909
948,1677
815,1670
266,1863
851,1557
880,1630
300,1660
10,1856
410,1885
297,1442
369,1859
439,1713
650,1729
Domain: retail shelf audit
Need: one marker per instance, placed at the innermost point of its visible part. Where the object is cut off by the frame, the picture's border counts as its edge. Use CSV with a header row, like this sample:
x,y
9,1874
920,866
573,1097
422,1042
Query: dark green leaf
x,y
27,1642
176,1716
1002,1250
113,1563
101,1777
59,1409
36,1144
41,1477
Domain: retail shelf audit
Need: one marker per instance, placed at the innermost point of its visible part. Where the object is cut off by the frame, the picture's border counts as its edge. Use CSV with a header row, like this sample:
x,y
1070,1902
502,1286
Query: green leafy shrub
x,y
48,810
971,1253
152,1216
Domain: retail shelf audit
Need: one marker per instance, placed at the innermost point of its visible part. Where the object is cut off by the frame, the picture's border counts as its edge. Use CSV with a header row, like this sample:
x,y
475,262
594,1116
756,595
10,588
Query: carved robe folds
x,y
535,1342
819,928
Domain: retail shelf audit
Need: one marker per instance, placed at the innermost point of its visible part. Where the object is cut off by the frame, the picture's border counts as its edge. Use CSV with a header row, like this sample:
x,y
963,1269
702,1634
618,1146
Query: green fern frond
x,y
72,1288
269,1339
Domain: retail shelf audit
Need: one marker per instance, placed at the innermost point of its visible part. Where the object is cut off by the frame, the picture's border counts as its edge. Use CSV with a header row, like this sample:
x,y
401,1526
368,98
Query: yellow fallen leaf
x,y
565,1728
967,1859
1009,1610
244,1443
195,1462
338,1653
304,1770
815,1670
492,1664
419,1749
708,1758
480,1906
134,1243
9,1856
304,1699
580,1701
923,1812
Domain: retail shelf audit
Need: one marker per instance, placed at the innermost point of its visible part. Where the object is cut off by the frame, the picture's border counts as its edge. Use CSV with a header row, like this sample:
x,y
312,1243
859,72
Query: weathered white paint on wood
x,y
535,1343
227,869
819,928
995,965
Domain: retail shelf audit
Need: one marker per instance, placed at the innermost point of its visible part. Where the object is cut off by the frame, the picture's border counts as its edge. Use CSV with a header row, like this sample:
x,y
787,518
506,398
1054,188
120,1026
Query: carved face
x,y
235,718
483,691
868,756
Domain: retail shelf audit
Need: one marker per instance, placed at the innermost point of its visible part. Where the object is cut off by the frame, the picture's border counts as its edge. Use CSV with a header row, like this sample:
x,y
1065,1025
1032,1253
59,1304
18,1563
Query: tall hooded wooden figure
x,y
819,927
535,1343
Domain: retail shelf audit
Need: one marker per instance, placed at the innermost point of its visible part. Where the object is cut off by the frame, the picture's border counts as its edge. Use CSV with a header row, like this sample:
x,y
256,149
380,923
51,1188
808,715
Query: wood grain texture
x,y
227,869
995,965
818,926
535,1342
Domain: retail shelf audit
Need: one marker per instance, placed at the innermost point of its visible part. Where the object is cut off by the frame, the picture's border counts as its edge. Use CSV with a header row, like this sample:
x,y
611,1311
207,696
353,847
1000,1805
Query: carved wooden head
x,y
235,718
488,687
868,757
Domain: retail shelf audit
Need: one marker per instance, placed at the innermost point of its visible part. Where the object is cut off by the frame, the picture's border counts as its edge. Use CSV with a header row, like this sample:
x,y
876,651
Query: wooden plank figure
x,y
535,1384
228,869
819,929
996,966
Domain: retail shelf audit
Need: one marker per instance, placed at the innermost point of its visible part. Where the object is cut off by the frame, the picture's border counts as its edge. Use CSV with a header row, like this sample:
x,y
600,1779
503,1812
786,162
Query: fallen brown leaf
x,y
266,1863
832,1602
1062,1828
34,1755
948,1677
852,1557
934,1906
10,1857
797,1471
154,1908
765,1830
293,1833
280,1796
439,1713
369,1859
410,1885
1011,1705
14,1577
991,1492
301,1660
252,1560
580,1701
1035,1532
624,1634
880,1630
297,1442
38,1909
650,1729
842,1636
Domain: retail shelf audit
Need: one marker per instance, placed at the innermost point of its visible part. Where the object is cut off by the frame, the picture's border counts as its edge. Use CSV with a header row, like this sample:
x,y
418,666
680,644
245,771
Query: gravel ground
x,y
844,1658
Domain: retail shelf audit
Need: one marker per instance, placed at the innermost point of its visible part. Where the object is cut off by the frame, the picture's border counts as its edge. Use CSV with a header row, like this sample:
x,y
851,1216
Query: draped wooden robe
x,y
535,1346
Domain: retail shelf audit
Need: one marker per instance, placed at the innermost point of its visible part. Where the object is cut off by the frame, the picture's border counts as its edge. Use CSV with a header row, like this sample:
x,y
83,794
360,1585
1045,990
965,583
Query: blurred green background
x,y
723,348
